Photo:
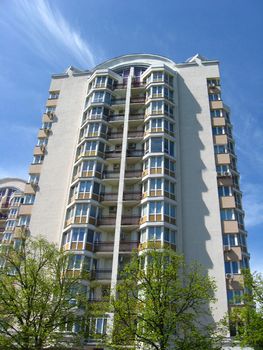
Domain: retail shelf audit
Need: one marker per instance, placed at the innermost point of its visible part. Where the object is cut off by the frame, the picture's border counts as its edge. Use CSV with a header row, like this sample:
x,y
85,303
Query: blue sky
x,y
41,37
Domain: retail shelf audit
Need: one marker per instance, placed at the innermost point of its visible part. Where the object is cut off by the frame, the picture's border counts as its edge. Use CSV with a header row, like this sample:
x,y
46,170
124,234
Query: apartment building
x,y
11,194
136,150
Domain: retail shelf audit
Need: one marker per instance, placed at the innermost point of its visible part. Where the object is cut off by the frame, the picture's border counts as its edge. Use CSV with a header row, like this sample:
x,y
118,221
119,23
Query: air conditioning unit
x,y
227,173
229,275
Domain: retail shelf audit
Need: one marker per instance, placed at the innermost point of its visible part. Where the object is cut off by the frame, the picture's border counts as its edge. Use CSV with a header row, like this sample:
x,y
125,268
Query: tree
x,y
38,298
248,318
160,302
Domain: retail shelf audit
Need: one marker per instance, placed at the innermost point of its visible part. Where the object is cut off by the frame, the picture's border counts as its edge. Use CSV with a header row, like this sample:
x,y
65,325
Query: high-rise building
x,y
11,195
139,149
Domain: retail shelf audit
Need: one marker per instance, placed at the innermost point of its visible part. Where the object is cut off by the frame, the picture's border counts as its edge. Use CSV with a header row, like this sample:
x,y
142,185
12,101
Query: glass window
x,y
228,214
98,96
154,233
85,186
78,234
156,144
74,262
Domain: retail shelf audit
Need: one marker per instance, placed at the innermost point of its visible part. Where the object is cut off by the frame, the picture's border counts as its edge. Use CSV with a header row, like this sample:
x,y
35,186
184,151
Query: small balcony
x,y
107,246
101,274
116,118
129,174
130,220
137,100
135,152
118,101
107,221
113,154
136,116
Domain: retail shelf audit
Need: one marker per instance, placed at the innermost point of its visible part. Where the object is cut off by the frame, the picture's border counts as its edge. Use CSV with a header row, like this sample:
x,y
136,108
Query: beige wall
x,y
200,224
51,198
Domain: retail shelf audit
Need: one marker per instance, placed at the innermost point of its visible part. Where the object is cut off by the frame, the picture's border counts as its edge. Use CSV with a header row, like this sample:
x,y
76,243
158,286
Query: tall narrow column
x,y
115,261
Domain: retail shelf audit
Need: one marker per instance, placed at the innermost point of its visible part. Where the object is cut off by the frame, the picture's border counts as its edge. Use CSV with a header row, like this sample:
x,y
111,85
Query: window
x,y
96,112
169,210
12,213
88,166
155,208
220,149
50,109
228,214
157,91
90,146
74,262
53,95
157,76
98,96
169,147
47,125
216,113
100,325
219,130
156,124
154,233
101,81
223,169
232,267
78,234
81,209
93,129
10,224
38,159
42,142
24,220
213,82
225,191
235,296
157,107
84,186
29,199
169,235
214,97
156,144
33,179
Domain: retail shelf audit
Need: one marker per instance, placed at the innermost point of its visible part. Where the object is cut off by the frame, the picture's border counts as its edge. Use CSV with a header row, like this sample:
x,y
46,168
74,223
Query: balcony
x,y
136,116
135,152
116,118
130,220
118,101
115,174
127,196
137,100
119,135
107,246
137,84
101,274
107,221
119,86
113,154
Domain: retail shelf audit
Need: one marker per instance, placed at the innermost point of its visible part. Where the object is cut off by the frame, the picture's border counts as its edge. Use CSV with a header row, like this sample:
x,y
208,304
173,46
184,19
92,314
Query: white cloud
x,y
44,30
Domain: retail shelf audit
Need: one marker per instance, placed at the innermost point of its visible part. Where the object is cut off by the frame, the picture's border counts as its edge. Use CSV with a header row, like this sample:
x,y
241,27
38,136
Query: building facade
x,y
11,195
139,149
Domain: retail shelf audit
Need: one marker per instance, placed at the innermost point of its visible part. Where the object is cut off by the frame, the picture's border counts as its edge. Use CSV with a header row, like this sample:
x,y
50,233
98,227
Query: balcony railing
x,y
107,220
101,274
127,196
119,135
112,154
137,100
125,246
137,84
133,173
130,220
115,174
118,101
136,116
135,153
116,117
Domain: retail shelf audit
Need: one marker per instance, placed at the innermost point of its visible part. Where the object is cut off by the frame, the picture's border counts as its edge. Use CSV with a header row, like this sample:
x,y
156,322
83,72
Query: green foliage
x,y
248,319
161,301
38,299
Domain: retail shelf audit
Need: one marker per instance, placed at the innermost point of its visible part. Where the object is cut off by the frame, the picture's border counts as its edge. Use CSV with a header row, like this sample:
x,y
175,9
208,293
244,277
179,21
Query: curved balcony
x,y
115,174
130,220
